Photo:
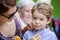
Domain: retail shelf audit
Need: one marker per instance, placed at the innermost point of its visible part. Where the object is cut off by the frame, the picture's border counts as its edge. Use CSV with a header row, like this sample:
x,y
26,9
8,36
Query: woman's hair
x,y
4,8
23,3
10,2
44,9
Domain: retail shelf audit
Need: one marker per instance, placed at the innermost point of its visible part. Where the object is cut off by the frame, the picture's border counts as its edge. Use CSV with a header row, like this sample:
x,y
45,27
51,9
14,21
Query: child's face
x,y
39,20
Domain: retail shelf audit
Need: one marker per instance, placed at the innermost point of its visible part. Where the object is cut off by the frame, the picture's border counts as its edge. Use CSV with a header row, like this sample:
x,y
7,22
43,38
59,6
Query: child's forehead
x,y
38,15
38,12
41,11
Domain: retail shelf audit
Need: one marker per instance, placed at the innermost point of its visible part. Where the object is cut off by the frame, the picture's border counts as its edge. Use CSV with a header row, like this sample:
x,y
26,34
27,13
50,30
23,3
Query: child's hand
x,y
16,38
35,37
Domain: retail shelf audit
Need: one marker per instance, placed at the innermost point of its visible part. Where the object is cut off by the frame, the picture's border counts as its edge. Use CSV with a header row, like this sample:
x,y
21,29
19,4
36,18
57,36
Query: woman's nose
x,y
30,14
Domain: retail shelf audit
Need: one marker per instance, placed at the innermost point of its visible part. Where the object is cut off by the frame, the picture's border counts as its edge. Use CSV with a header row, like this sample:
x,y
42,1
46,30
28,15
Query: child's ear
x,y
48,21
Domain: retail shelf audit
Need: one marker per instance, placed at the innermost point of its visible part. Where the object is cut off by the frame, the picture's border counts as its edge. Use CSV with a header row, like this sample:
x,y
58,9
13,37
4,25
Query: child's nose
x,y
37,21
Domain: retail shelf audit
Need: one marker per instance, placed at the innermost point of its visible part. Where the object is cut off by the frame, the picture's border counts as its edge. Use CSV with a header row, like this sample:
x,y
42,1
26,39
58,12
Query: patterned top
x,y
18,32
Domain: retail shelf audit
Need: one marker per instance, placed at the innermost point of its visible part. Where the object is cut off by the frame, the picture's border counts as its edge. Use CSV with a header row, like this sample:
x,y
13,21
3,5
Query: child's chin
x,y
38,28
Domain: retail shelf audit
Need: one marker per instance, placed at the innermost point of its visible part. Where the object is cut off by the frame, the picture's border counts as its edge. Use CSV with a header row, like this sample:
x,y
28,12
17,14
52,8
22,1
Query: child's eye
x,y
41,19
34,18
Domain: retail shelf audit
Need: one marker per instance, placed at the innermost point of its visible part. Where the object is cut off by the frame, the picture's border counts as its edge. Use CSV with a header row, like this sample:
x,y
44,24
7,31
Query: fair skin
x,y
39,21
7,22
9,12
7,26
26,13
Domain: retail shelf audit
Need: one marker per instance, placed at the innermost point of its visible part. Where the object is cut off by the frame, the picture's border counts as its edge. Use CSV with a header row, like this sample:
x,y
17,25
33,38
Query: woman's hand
x,y
25,27
35,37
29,26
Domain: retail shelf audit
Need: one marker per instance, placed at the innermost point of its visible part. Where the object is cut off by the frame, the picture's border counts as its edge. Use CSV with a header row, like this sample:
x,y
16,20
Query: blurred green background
x,y
56,8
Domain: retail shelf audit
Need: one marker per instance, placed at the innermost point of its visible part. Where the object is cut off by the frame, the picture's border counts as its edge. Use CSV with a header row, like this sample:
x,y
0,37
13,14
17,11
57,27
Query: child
x,y
41,16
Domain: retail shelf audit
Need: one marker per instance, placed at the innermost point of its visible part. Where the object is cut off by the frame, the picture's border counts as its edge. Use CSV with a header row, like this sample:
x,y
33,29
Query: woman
x,y
24,10
9,26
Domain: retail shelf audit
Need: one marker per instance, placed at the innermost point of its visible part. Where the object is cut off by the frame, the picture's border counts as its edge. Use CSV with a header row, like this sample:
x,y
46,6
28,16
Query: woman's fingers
x,y
29,26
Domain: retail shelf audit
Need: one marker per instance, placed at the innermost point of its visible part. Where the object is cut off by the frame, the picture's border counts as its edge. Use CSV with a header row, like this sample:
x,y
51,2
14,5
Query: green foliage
x,y
34,0
17,1
56,6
